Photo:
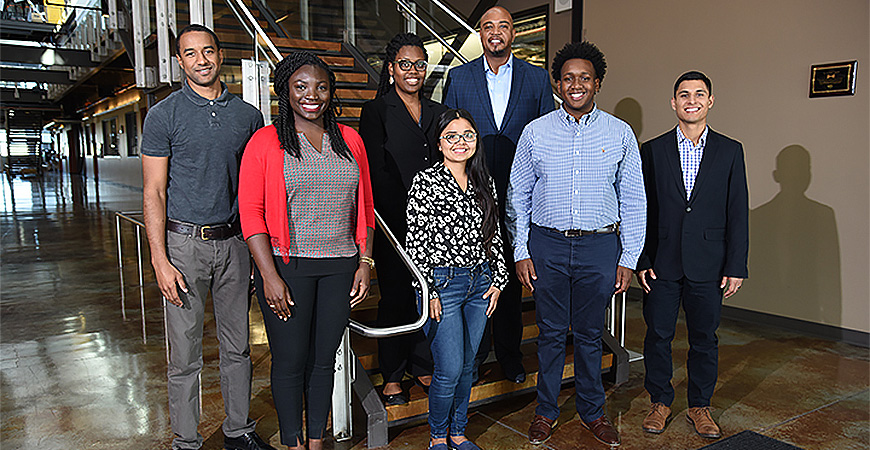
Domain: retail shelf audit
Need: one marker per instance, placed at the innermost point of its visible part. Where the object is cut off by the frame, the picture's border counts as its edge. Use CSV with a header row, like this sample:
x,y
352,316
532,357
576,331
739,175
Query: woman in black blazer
x,y
398,129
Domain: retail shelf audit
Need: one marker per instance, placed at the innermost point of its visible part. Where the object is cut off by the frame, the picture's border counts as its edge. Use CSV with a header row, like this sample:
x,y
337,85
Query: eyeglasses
x,y
453,138
406,65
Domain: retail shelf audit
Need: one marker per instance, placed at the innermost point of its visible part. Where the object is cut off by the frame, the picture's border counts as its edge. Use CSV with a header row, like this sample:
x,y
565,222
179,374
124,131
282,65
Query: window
x,y
110,138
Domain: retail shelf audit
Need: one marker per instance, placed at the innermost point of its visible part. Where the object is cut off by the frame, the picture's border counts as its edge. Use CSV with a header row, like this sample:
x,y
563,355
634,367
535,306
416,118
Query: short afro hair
x,y
694,75
580,50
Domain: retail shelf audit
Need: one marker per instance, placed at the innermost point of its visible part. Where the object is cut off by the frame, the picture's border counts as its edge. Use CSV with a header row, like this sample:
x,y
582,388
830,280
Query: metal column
x,y
255,86
304,20
349,22
201,13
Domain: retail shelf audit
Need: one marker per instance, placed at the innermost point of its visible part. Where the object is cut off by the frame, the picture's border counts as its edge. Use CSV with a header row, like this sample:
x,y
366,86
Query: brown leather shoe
x,y
702,420
658,417
541,429
603,430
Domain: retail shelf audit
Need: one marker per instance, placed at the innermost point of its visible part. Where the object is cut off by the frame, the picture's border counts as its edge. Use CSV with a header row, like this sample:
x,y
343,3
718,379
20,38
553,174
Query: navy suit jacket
x,y
707,236
531,97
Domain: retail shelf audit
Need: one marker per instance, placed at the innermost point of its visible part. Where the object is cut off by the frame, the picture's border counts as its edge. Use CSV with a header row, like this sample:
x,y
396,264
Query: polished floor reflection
x,y
75,374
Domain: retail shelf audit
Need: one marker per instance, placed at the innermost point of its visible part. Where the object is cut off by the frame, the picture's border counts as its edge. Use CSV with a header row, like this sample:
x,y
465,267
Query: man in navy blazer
x,y
697,242
503,94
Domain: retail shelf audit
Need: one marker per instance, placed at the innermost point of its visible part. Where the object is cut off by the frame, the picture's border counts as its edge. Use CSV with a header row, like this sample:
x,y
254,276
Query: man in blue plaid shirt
x,y
577,215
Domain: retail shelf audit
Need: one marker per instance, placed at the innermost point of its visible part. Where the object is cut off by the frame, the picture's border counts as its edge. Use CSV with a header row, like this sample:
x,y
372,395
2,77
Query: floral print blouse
x,y
445,227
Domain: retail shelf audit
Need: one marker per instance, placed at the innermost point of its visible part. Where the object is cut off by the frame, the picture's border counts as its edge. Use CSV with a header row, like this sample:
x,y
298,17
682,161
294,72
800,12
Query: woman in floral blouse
x,y
454,239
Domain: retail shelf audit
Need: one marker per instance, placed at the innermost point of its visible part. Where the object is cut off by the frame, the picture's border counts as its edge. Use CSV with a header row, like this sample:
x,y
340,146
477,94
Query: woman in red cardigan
x,y
306,209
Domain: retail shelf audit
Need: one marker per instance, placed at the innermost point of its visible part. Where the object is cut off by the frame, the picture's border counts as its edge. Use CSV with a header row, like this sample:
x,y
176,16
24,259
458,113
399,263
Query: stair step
x,y
232,55
491,386
234,39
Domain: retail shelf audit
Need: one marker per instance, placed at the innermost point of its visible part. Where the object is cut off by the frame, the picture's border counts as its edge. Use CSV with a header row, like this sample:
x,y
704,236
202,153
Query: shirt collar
x,y
448,178
681,138
586,119
199,100
508,65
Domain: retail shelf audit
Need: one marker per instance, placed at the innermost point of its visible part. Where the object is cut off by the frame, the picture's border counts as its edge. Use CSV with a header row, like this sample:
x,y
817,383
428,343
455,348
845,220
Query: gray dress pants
x,y
224,267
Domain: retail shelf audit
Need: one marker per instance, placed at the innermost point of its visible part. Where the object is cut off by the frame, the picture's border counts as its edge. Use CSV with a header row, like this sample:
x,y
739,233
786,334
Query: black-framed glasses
x,y
406,65
453,138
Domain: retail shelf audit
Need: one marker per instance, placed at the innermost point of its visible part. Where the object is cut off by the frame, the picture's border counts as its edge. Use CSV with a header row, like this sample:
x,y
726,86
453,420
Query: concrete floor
x,y
74,374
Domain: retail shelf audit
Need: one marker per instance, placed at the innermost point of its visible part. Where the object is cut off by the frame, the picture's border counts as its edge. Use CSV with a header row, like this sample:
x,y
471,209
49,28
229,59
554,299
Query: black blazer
x,y
397,149
707,236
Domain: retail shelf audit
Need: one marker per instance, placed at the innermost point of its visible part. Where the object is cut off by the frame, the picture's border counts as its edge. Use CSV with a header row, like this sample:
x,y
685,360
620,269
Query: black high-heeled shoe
x,y
400,398
420,383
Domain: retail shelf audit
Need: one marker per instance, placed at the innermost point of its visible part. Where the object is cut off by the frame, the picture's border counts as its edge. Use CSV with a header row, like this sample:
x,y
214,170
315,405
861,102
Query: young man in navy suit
x,y
503,94
697,243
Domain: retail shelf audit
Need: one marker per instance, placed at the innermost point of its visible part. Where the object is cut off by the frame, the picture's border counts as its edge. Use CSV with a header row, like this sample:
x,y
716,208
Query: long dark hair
x,y
396,43
477,172
285,124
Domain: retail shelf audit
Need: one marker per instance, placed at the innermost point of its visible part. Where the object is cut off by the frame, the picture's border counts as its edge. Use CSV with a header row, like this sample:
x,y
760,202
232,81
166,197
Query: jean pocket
x,y
441,277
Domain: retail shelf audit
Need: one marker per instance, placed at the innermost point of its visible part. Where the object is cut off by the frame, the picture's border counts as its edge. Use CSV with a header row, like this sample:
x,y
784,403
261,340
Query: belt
x,y
612,228
204,232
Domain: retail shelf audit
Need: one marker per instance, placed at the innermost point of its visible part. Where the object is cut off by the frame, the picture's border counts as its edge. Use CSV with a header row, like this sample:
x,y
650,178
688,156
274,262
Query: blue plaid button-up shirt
x,y
570,175
690,158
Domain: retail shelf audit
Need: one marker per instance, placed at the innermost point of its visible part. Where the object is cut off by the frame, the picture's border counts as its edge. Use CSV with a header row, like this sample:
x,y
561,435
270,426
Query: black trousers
x,y
303,348
702,302
504,330
397,306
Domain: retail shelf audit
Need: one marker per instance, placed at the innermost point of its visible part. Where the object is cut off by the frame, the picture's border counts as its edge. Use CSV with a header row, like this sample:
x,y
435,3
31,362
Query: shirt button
x,y
211,102
213,113
425,144
688,209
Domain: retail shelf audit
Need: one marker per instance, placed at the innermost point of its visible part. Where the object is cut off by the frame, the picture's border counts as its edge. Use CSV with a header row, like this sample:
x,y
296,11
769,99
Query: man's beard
x,y
500,53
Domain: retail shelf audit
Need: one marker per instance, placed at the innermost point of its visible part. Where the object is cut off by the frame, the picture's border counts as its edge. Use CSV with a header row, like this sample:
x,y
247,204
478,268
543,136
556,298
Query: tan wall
x,y
808,160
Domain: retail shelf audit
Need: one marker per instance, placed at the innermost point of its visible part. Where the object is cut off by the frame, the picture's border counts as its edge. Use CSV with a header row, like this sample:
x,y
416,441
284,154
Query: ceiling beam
x,y
39,76
47,56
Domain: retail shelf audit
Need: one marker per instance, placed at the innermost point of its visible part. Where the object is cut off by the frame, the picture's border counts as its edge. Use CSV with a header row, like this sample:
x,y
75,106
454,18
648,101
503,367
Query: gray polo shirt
x,y
203,140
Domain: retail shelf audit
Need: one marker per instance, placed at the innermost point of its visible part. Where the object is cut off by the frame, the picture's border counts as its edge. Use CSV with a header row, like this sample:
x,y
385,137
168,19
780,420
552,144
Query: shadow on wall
x,y
794,263
629,110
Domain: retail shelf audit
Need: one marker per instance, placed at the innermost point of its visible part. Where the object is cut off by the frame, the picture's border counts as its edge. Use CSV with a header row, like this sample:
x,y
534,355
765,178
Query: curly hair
x,y
396,43
579,50
284,123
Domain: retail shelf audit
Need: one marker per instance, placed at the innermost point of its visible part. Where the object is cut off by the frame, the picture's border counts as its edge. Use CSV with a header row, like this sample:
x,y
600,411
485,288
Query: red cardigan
x,y
263,192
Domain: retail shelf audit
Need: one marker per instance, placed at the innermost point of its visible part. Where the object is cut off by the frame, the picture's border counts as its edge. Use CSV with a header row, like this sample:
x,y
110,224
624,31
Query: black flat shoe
x,y
396,399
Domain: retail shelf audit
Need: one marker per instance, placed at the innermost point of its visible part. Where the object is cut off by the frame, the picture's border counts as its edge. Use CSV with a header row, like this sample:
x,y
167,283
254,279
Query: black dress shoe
x,y
396,399
247,441
515,372
519,378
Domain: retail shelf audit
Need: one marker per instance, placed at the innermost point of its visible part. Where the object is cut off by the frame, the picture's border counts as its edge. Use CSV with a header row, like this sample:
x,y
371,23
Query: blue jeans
x,y
454,342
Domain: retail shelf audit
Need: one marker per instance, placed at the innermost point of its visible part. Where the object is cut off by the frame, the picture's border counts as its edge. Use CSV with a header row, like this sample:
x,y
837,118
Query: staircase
x,y
354,86
492,386
24,140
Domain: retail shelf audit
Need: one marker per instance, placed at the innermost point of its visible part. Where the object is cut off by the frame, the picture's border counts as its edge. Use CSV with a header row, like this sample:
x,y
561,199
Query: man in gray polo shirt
x,y
192,144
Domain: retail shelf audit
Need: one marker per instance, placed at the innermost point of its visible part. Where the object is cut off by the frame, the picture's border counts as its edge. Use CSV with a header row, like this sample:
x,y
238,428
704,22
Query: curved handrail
x,y
375,332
